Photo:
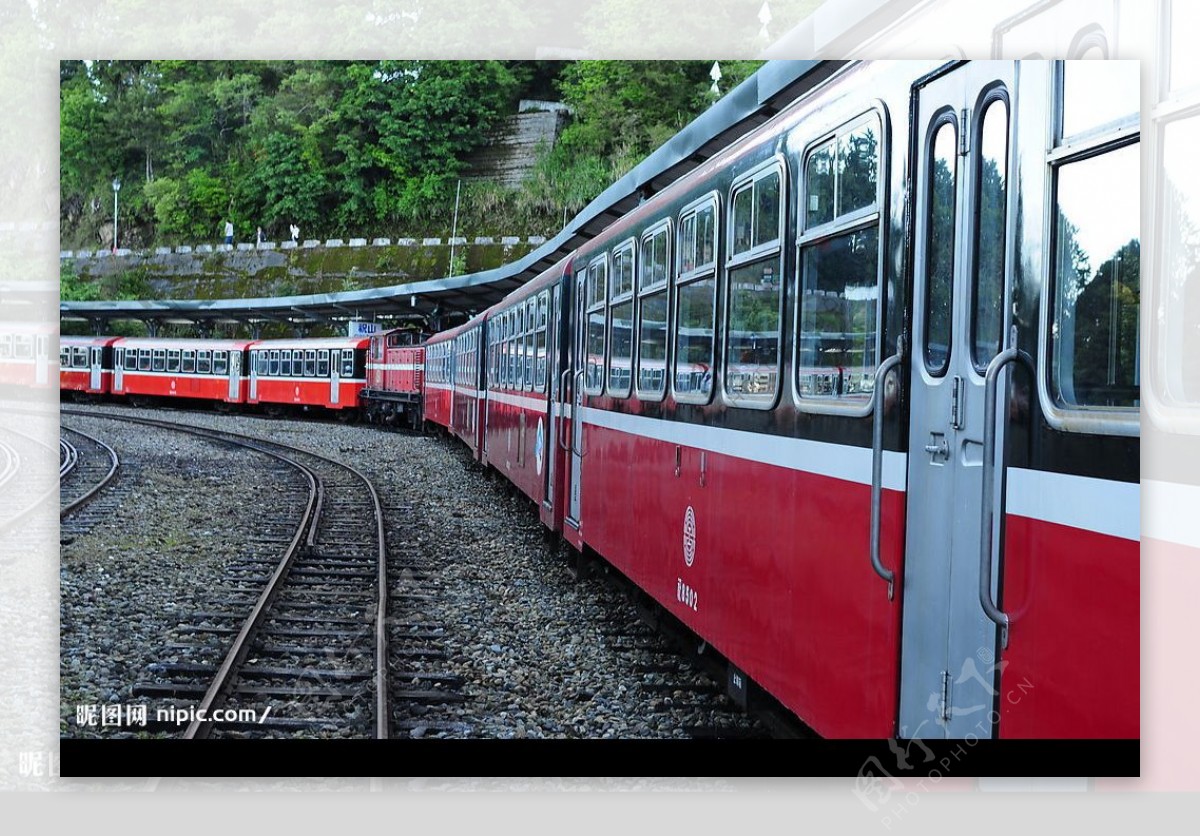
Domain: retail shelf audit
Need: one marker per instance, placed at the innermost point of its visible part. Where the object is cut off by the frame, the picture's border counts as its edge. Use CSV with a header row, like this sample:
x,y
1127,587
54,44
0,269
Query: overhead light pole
x,y
116,184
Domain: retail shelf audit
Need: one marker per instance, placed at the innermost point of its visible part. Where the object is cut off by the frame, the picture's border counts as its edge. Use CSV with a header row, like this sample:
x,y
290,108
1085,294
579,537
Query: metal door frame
x,y
949,686
575,501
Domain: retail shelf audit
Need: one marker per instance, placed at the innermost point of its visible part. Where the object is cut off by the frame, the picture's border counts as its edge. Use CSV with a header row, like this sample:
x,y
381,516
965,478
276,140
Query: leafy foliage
x,y
343,147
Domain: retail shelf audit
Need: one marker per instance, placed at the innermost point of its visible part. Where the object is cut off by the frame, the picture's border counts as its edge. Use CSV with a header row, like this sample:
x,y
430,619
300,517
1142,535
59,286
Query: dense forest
x,y
371,148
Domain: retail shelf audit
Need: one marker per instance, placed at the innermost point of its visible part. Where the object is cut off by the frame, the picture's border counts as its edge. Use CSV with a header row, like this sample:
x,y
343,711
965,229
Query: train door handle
x,y
877,465
991,379
577,444
562,408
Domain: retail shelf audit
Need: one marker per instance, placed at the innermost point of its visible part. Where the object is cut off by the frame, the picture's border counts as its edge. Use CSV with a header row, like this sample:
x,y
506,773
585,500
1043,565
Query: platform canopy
x,y
750,104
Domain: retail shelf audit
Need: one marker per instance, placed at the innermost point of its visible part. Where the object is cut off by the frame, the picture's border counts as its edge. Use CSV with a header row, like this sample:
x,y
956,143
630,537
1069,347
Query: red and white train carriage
x,y
86,364
327,373
171,367
909,504
395,378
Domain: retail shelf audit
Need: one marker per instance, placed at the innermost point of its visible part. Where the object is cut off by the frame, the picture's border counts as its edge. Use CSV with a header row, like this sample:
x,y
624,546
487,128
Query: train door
x,y
41,359
552,388
235,373
255,359
575,460
97,368
335,375
949,677
119,370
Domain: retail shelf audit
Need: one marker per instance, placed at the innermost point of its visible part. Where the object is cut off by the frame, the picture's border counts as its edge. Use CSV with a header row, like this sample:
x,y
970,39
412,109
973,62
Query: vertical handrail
x,y
562,408
986,569
877,465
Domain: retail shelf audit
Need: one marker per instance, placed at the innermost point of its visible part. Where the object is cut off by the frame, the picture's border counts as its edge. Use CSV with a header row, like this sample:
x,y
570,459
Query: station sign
x,y
362,328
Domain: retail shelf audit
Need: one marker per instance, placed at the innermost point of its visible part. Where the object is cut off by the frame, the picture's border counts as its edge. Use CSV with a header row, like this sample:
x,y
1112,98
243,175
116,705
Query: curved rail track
x,y
27,458
315,633
82,476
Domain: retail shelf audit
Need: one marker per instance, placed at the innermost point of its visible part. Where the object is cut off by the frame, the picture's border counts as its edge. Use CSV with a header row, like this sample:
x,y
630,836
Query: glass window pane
x,y
1178,349
838,307
593,379
706,237
858,167
743,219
654,260
347,363
144,360
204,362
939,252
622,272
173,360
189,361
987,309
687,244
131,356
620,372
766,210
160,360
1185,64
694,339
597,292
1097,282
323,363
818,186
652,343
1096,93
220,363
752,367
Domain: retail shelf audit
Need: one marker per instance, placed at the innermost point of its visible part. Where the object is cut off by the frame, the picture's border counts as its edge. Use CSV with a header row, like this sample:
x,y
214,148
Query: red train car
x,y
827,404
453,381
86,364
327,373
520,428
394,392
26,362
211,370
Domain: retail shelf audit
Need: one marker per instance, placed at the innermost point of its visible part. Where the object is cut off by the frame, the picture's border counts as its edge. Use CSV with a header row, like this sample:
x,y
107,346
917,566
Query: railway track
x,y
86,466
294,643
27,478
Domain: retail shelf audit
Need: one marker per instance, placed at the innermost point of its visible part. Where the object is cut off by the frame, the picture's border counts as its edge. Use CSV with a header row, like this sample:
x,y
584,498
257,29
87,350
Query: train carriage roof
x,y
181,343
312,343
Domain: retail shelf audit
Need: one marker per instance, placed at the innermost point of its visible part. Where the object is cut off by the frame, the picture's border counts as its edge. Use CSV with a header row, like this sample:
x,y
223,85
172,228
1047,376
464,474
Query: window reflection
x,y
1097,282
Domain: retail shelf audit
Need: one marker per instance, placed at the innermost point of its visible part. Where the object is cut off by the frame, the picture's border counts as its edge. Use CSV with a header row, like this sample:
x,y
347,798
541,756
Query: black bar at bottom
x,y
867,759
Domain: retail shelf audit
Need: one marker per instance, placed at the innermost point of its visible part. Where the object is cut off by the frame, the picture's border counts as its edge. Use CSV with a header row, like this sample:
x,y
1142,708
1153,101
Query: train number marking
x,y
686,595
689,536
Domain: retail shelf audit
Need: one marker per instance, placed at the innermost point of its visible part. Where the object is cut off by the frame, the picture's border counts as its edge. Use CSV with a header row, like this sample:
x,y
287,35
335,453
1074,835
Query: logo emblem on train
x,y
689,536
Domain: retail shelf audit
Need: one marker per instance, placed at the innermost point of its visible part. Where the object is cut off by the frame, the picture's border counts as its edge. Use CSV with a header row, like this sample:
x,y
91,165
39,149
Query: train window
x,y
1099,96
620,369
220,363
542,324
347,363
188,363
755,291
754,213
273,363
841,175
158,360
597,283
131,359
173,360
310,363
530,340
204,362
819,185
1097,250
698,239
991,204
838,296
285,361
143,360
79,358
652,314
939,257
64,357
297,363
695,303
323,363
